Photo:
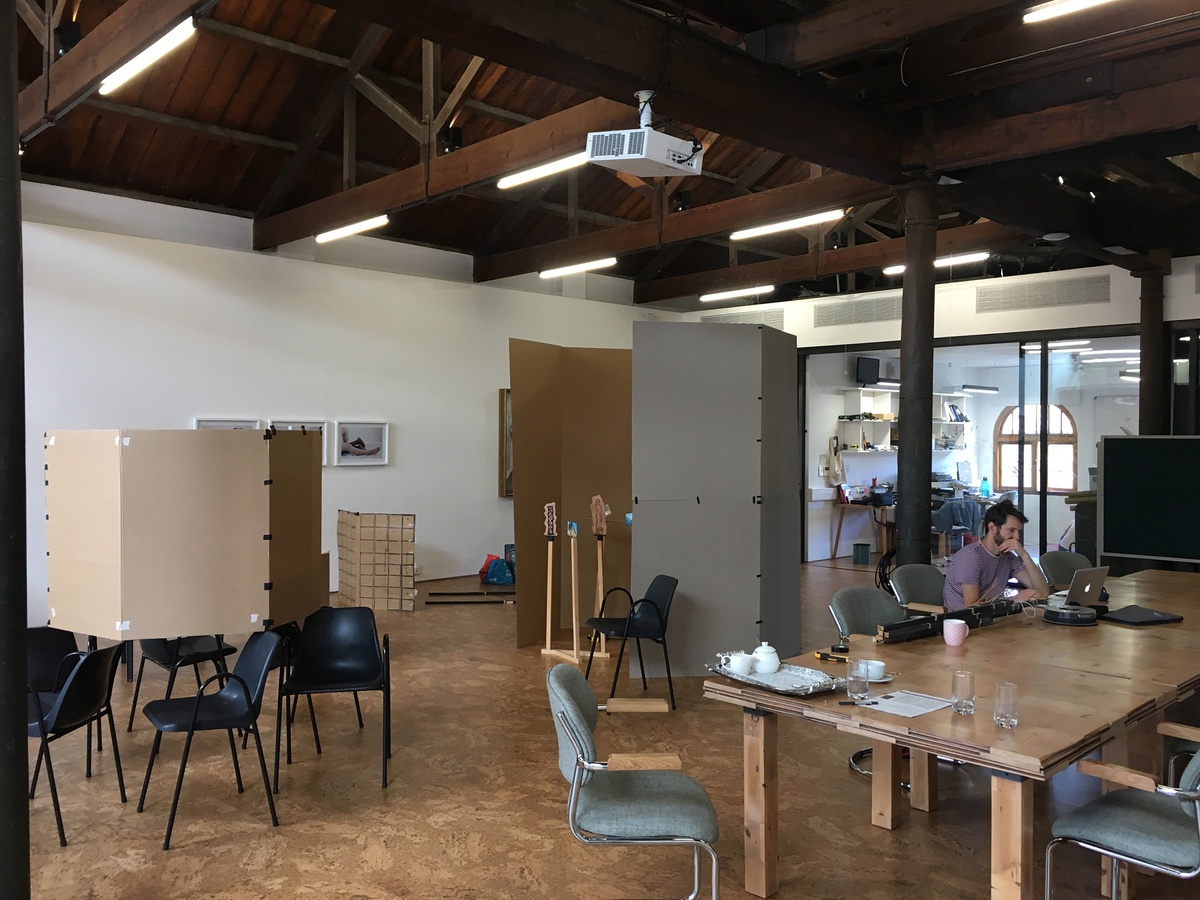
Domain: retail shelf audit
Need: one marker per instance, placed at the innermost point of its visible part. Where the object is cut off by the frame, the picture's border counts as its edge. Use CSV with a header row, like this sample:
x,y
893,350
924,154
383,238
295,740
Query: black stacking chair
x,y
339,653
50,657
85,697
235,705
178,653
647,619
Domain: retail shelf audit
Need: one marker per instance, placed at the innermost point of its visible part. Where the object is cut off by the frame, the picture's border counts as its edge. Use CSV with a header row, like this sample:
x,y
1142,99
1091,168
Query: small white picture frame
x,y
200,423
320,426
360,443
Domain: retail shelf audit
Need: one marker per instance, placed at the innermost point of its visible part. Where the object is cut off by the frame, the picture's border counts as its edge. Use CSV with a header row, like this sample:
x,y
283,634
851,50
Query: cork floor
x,y
476,807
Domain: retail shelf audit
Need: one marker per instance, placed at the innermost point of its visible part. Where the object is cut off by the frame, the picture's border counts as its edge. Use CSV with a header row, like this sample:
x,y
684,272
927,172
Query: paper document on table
x,y
909,703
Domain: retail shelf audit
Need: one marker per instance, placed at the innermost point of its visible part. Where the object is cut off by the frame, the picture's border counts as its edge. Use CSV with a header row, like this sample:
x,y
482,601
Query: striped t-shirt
x,y
974,564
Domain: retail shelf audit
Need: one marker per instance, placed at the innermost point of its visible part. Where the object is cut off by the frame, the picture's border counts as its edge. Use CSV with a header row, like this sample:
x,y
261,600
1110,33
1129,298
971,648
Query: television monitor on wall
x,y
1135,519
867,370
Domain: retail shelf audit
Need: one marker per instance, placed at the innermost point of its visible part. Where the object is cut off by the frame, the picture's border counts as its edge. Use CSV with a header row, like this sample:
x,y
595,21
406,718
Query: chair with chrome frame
x,y
235,705
647,618
85,697
1146,824
632,798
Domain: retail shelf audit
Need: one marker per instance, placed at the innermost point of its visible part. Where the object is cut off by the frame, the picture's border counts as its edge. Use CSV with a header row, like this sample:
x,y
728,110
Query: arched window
x,y
1062,449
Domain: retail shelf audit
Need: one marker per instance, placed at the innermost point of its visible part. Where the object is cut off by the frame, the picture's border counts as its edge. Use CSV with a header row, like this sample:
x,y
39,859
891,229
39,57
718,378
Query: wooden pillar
x,y
1155,387
14,760
915,457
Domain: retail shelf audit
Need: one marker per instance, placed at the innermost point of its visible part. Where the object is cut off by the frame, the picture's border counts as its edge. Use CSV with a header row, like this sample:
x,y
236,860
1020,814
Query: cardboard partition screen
x,y
181,520
299,583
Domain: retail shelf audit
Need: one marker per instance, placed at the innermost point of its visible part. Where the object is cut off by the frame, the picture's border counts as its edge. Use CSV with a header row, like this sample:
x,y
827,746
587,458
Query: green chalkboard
x,y
1148,497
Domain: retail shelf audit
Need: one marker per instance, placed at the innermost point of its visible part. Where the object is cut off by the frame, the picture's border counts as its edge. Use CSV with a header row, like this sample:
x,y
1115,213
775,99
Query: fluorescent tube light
x,y
944,262
150,55
1071,346
737,292
543,171
1096,351
1058,8
579,267
831,215
888,382
1080,342
346,230
979,389
1130,376
1110,360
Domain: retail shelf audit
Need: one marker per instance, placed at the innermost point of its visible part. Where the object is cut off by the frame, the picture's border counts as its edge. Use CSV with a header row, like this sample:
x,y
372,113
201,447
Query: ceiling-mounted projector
x,y
643,151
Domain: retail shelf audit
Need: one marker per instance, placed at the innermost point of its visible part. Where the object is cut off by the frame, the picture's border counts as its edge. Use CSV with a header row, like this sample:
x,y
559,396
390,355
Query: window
x,y
1062,454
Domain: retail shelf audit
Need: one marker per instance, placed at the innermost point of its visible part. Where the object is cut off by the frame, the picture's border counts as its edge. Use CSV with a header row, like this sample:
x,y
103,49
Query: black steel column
x,y
14,762
915,456
1153,410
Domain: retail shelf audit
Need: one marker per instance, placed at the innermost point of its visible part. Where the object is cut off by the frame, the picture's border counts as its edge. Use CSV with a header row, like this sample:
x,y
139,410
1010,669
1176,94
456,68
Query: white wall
x,y
129,331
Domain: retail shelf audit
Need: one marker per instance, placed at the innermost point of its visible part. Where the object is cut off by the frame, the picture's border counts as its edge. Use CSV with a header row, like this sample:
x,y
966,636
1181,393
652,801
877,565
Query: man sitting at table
x,y
980,572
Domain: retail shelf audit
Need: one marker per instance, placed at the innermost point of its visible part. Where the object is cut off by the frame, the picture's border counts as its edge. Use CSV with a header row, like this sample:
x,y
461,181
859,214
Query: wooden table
x,y
883,529
1080,689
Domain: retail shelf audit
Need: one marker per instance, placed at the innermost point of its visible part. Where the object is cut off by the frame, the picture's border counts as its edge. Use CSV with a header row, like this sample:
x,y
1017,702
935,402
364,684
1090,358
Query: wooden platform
x,y
466,589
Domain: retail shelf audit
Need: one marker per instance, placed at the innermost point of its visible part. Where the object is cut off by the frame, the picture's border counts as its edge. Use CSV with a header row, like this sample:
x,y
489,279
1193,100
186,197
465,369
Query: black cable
x,y
883,572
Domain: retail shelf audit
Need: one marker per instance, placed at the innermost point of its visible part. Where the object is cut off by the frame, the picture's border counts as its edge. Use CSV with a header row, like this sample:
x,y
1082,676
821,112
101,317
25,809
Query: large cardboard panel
x,y
597,454
295,511
194,509
713,549
696,410
536,383
83,530
780,551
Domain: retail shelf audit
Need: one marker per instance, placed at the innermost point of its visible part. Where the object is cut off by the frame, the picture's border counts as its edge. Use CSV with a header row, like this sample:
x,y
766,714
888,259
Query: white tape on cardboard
x,y
51,440
125,441
123,626
253,618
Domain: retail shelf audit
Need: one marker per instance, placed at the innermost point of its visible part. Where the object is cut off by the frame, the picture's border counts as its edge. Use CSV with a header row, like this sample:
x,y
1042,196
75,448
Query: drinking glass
x,y
858,679
962,695
1005,709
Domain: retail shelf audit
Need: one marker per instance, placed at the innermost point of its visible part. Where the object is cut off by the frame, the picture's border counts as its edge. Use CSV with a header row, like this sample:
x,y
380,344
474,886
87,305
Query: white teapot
x,y
766,660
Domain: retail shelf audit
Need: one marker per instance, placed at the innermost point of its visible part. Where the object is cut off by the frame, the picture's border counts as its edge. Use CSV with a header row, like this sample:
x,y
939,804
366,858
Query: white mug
x,y
740,663
955,631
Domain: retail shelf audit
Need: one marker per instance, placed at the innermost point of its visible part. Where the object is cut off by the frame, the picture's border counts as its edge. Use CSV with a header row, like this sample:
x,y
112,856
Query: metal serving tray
x,y
799,681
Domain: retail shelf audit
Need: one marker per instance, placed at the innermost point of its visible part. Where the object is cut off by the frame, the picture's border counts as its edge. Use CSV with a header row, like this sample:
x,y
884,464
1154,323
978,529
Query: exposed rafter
x,y
612,49
822,263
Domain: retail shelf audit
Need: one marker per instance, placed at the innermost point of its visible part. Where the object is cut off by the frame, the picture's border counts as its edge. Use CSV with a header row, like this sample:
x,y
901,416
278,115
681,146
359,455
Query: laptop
x,y
1140,615
1086,585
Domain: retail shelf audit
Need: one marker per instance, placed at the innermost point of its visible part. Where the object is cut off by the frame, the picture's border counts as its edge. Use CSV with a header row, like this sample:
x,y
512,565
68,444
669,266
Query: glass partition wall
x,y
1027,416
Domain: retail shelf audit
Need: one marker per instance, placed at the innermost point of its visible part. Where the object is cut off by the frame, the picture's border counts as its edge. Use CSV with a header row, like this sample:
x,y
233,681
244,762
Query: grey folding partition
x,y
716,475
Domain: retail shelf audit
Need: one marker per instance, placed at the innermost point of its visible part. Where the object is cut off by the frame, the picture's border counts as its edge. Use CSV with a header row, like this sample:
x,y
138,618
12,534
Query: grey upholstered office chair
x,y
1060,566
609,805
918,583
860,610
1146,823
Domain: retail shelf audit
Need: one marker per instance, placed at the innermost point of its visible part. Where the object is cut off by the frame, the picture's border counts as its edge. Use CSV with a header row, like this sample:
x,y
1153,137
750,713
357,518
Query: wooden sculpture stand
x,y
572,655
601,650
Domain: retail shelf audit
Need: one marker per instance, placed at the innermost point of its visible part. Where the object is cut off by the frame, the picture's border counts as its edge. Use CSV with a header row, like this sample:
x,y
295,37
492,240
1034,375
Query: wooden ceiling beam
x,y
329,59
458,95
129,30
792,200
1159,108
366,51
33,16
389,107
538,142
853,27
612,49
823,263
936,70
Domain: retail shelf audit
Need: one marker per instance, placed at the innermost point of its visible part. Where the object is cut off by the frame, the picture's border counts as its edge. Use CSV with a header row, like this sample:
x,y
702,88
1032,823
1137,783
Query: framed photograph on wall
x,y
228,424
361,443
505,454
305,425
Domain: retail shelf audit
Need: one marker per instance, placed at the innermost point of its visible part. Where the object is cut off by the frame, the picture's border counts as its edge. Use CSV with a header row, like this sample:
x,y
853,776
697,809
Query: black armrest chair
x,y
647,619
178,653
85,697
339,653
235,705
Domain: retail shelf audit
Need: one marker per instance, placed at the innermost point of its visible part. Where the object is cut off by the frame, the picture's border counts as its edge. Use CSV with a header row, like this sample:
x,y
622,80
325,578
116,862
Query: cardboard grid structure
x,y
376,555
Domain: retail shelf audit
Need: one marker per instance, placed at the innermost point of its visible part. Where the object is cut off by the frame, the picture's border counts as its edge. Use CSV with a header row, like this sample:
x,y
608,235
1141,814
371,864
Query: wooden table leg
x,y
1012,838
760,745
1140,749
837,538
886,809
922,780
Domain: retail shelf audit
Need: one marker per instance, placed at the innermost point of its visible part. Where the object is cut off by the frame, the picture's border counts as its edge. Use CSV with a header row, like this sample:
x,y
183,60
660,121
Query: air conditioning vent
x,y
1006,296
883,307
772,318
